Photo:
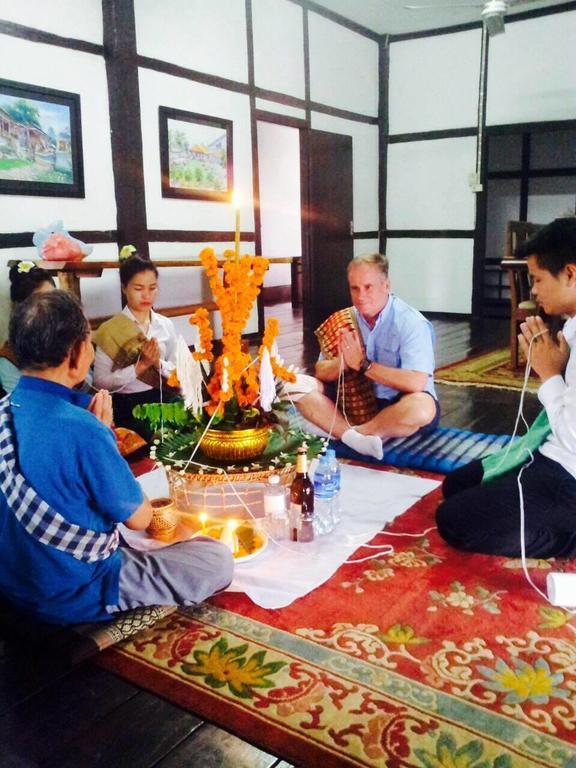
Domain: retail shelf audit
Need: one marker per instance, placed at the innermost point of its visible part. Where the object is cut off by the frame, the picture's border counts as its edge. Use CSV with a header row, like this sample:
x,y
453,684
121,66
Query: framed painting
x,y
195,156
40,141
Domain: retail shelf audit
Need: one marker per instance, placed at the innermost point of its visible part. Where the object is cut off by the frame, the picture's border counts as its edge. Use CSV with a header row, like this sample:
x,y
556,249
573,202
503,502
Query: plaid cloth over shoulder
x,y
38,518
358,398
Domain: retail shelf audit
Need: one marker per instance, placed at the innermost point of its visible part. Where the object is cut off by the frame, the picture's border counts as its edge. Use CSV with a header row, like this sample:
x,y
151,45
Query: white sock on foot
x,y
369,445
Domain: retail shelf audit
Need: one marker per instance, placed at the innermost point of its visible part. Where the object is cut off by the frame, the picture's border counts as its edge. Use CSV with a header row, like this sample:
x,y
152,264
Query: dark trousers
x,y
485,517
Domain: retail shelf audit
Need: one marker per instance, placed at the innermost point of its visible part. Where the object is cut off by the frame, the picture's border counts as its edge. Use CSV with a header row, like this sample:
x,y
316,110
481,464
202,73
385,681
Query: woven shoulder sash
x,y
358,398
38,518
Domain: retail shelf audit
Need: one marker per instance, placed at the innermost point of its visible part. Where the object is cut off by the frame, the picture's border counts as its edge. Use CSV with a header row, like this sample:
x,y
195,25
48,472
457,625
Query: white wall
x,y
432,275
428,184
434,82
81,19
434,86
366,247
278,27
531,71
343,67
280,206
280,109
205,36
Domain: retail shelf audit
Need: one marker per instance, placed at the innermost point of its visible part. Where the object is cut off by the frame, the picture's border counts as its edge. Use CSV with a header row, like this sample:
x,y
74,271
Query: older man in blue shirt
x,y
64,488
393,347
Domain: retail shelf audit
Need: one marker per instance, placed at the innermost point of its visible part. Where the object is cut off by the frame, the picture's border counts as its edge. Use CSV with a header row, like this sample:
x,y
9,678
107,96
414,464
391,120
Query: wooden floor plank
x,y
137,734
23,674
211,747
40,726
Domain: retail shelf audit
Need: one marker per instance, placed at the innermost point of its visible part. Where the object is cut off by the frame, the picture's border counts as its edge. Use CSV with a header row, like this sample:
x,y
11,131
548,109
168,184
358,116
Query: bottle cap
x,y
274,479
331,453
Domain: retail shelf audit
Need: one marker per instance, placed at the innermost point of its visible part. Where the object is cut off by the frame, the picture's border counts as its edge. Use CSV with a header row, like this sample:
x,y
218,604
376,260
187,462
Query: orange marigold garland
x,y
234,372
270,335
201,319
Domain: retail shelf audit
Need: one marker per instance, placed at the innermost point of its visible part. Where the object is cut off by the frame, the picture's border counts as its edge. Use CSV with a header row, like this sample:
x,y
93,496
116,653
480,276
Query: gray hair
x,y
378,260
45,327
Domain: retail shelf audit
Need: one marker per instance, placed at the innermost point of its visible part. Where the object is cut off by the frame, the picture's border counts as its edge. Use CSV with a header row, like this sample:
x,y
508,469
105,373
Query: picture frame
x,y
196,156
40,141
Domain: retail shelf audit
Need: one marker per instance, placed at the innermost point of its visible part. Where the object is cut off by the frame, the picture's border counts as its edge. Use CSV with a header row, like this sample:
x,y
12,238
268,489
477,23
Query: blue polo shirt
x,y
72,461
401,338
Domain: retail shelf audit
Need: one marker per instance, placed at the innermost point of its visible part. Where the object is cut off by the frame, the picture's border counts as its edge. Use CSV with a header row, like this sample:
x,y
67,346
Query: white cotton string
x,y
344,414
520,413
115,391
161,403
387,549
195,450
413,535
251,363
338,385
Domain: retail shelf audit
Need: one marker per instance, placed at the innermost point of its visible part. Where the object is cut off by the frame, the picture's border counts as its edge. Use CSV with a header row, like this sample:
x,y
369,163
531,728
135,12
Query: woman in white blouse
x,y
136,349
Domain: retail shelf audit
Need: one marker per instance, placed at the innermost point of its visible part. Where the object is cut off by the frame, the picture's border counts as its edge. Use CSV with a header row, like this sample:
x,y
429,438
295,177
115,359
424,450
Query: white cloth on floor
x,y
285,571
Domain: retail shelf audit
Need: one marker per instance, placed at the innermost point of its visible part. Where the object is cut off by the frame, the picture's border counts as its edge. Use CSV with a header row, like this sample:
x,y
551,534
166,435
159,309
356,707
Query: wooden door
x,y
327,223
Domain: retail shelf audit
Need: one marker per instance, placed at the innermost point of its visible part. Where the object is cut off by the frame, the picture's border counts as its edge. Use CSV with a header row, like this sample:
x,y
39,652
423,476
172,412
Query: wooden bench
x,y
69,274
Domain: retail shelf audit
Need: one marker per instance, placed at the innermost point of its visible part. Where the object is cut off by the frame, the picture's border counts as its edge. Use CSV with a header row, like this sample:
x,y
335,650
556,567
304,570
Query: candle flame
x,y
236,199
229,537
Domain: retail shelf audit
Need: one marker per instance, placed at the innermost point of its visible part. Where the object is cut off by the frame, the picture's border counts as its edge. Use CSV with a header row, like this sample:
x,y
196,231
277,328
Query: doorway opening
x,y
531,177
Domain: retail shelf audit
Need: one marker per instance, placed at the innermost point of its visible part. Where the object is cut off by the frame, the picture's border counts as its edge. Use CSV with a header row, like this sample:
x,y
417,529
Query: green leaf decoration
x,y
172,413
179,440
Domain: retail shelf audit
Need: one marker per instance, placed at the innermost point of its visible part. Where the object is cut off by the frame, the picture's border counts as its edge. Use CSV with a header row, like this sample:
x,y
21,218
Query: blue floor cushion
x,y
437,450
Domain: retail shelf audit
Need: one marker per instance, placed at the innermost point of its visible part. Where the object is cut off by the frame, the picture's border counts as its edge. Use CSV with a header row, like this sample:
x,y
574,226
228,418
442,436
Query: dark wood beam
x,y
125,123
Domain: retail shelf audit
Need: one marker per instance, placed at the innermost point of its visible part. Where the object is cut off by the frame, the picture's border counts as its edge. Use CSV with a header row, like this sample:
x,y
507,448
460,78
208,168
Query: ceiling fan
x,y
492,14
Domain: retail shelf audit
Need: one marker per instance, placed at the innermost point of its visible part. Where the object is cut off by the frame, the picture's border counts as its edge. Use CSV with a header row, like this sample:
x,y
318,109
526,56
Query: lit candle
x,y
236,203
228,536
203,517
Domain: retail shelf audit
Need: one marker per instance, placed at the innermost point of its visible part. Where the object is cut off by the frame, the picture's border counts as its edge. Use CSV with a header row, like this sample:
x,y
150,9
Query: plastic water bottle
x,y
275,508
323,497
336,479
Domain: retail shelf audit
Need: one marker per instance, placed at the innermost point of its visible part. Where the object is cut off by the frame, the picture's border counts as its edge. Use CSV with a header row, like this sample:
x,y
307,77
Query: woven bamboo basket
x,y
286,474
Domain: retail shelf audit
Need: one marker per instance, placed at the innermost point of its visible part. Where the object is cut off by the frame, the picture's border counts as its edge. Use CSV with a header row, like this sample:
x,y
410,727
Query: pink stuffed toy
x,y
61,248
54,243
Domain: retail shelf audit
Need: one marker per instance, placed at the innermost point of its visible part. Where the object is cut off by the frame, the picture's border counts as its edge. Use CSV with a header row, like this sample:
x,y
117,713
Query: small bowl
x,y
164,520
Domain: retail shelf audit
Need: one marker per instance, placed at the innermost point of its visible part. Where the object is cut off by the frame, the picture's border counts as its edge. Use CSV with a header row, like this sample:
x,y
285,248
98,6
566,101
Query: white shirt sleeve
x,y
559,399
106,378
168,361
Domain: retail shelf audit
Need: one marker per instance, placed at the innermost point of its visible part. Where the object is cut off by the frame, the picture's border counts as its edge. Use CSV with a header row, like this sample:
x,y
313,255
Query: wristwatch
x,y
365,365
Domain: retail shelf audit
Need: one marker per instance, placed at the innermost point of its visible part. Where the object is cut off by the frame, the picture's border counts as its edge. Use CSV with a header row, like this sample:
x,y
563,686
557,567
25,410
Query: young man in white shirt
x,y
485,517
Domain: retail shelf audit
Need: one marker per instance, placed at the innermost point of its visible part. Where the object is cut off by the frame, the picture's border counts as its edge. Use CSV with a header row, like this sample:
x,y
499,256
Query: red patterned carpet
x,y
426,657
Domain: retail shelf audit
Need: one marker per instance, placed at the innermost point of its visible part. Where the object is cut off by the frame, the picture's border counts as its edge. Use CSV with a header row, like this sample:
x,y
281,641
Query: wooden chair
x,y
521,303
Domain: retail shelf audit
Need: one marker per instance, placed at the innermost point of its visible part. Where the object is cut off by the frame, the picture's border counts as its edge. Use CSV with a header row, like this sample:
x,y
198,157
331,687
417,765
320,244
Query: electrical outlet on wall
x,y
474,182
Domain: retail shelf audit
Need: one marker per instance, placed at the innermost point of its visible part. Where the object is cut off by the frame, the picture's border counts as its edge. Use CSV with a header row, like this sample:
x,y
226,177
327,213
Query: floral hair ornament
x,y
25,266
125,252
